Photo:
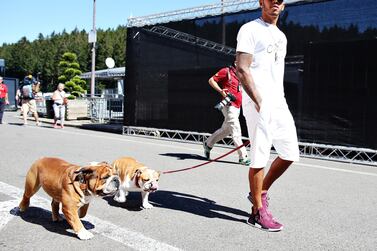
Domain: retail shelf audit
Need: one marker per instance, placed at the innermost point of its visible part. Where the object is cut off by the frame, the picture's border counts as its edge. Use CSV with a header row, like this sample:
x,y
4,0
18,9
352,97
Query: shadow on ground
x,y
42,217
185,156
182,202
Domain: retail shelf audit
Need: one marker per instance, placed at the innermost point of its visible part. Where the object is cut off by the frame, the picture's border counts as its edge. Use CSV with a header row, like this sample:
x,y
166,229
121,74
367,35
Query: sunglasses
x,y
277,1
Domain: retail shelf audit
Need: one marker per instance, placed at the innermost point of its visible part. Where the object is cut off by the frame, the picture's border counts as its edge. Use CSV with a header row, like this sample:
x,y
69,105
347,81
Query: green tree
x,y
70,75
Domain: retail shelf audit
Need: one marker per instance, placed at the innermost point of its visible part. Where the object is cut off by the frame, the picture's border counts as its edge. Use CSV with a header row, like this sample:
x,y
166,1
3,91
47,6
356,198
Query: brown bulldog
x,y
71,185
135,177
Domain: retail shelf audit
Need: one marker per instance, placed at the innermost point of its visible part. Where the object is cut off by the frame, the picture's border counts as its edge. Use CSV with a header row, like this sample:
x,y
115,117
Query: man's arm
x,y
216,86
6,99
18,94
243,71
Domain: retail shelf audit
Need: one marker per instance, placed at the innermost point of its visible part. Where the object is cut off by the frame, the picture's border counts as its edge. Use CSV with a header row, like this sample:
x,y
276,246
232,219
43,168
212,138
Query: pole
x,y
93,75
223,35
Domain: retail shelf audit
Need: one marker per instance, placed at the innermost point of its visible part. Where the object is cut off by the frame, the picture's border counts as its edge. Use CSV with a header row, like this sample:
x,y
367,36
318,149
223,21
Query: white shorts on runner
x,y
270,127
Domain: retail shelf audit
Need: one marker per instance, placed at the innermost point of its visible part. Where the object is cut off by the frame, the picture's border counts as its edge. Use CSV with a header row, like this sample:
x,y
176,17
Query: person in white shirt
x,y
59,98
261,50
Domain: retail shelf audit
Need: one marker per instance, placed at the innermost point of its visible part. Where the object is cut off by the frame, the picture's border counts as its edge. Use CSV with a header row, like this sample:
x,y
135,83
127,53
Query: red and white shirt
x,y
3,90
227,79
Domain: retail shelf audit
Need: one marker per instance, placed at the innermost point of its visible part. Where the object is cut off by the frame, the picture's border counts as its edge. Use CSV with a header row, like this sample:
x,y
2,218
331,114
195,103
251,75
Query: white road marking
x,y
125,236
5,216
336,169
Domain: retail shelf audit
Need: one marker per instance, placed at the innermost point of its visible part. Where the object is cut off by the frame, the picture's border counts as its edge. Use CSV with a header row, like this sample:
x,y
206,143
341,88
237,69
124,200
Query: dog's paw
x,y
120,199
147,205
84,234
57,219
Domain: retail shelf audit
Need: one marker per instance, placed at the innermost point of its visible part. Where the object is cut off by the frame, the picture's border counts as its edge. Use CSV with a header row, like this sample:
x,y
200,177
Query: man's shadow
x,y
184,156
183,202
42,217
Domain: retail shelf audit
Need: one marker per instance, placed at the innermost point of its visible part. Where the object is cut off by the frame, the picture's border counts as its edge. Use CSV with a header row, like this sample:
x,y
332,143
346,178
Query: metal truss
x,y
318,151
187,38
340,153
226,6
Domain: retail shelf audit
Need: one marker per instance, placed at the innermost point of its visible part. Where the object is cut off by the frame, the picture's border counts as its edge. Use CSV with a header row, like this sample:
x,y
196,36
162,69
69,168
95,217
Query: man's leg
x,y
256,183
260,216
235,131
62,118
33,109
218,135
2,107
36,117
278,167
25,111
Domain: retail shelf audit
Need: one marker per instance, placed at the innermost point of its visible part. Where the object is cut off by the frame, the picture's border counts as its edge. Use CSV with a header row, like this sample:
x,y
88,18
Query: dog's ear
x,y
79,175
138,172
159,173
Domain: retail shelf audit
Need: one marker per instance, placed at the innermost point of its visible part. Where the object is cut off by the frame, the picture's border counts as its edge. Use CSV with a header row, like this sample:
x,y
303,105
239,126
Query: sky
x,y
29,18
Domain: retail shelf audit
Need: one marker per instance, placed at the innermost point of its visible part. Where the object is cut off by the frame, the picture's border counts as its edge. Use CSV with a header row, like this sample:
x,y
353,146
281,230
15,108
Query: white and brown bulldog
x,y
135,177
71,185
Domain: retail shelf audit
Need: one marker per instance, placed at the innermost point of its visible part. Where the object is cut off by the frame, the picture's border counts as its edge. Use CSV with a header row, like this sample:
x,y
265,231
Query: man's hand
x,y
224,92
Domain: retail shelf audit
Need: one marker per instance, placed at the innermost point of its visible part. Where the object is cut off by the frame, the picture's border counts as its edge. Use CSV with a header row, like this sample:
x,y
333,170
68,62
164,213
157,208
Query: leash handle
x,y
210,161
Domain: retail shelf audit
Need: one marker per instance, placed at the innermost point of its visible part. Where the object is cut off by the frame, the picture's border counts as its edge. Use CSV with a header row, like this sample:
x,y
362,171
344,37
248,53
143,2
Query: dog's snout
x,y
115,181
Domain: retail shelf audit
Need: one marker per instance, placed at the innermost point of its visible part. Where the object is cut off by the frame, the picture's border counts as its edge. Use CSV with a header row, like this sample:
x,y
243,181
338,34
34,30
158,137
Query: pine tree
x,y
70,75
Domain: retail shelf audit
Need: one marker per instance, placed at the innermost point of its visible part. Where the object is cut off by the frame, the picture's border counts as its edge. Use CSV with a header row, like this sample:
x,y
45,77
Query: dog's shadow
x,y
133,202
184,156
183,202
42,217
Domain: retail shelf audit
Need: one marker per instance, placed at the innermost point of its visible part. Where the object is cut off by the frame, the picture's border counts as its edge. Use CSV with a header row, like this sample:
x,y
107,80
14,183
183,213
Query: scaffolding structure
x,y
312,150
226,6
187,38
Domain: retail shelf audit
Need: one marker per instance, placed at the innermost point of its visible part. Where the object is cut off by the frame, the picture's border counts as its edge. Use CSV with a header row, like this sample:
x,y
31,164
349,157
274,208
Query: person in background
x,y
261,50
26,92
59,98
3,98
228,80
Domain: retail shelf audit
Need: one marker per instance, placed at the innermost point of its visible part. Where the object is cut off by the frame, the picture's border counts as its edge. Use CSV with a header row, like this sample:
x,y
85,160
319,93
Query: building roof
x,y
114,73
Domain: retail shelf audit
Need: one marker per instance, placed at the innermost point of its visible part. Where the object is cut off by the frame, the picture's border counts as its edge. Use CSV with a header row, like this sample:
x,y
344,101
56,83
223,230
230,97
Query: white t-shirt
x,y
268,46
60,95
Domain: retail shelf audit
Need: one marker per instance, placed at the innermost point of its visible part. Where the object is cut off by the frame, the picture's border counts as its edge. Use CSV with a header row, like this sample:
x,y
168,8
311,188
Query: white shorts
x,y
270,127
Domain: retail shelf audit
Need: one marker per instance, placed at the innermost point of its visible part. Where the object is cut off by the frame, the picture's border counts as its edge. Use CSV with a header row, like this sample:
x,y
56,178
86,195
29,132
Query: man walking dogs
x,y
261,50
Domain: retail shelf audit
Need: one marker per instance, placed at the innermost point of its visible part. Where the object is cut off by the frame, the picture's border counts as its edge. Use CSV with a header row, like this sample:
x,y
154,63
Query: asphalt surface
x,y
323,205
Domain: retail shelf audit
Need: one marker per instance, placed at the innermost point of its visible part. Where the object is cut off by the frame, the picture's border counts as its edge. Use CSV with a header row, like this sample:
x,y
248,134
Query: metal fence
x,y
312,150
106,109
100,109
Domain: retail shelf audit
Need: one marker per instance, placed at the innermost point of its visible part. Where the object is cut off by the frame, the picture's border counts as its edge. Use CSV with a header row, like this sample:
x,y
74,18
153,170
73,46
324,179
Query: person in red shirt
x,y
226,81
3,98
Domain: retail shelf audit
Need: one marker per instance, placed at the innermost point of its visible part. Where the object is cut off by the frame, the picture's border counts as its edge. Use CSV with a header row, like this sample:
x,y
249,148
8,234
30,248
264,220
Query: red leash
x,y
205,163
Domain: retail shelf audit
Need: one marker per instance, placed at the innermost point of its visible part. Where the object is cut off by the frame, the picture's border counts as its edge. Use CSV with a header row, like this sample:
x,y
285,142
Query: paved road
x,y
323,205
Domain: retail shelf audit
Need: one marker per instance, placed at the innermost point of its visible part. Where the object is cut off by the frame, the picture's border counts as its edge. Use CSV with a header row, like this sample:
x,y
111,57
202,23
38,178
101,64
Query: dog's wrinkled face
x,y
99,179
148,179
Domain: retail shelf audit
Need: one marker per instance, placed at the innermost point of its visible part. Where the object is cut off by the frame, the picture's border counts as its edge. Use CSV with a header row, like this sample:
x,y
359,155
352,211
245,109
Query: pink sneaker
x,y
265,204
265,199
264,221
